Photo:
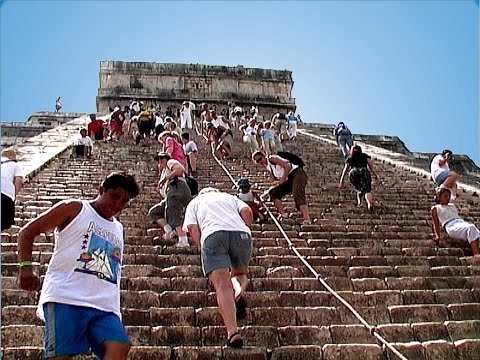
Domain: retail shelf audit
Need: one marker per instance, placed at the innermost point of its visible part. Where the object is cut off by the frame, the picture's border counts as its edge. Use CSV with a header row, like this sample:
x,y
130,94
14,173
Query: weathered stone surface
x,y
344,334
411,350
468,349
352,351
439,350
297,352
467,329
418,313
15,335
430,331
303,335
197,353
175,336
150,353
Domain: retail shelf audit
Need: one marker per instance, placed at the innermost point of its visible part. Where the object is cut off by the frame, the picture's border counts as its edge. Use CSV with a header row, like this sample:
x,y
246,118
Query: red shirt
x,y
95,127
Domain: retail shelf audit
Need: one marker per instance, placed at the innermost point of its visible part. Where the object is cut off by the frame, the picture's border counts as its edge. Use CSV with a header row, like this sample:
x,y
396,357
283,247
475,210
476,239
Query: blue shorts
x,y
226,250
440,179
72,330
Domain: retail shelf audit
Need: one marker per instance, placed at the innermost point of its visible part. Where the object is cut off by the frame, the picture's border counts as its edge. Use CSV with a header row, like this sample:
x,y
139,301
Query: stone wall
x,y
14,133
171,84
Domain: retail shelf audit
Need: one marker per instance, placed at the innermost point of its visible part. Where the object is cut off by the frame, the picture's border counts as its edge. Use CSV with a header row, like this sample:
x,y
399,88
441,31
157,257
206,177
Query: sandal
x,y
235,341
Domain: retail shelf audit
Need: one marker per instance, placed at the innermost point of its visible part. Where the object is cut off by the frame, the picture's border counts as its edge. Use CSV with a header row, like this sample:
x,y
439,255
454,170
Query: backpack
x,y
292,158
192,184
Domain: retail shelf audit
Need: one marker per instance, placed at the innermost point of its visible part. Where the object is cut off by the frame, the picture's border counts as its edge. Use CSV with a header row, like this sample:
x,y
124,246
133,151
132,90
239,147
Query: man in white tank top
x,y
81,291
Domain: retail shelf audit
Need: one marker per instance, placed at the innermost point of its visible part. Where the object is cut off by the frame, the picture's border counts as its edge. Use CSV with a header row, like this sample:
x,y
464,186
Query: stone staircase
x,y
423,299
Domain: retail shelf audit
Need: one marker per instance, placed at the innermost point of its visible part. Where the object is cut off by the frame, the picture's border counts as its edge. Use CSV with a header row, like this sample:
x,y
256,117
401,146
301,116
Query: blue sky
x,y
405,68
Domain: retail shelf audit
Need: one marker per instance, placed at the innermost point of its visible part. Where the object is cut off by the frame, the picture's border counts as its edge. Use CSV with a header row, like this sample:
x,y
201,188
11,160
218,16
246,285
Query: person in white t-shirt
x,y
83,145
191,151
186,115
80,296
219,224
441,174
12,182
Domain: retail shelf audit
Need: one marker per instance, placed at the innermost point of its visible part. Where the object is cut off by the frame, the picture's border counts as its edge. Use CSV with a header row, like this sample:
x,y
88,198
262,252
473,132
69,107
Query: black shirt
x,y
359,160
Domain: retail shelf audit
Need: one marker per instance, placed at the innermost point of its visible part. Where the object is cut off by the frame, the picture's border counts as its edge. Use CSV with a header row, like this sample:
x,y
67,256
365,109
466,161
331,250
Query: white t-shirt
x,y
86,141
158,120
190,147
10,170
445,213
215,211
220,122
435,168
86,264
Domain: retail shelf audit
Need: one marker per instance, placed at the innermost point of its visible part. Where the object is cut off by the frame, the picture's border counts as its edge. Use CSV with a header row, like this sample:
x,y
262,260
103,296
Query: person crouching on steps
x,y
445,214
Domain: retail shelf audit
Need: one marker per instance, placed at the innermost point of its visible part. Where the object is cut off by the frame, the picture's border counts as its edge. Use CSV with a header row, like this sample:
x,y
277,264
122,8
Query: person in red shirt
x,y
95,128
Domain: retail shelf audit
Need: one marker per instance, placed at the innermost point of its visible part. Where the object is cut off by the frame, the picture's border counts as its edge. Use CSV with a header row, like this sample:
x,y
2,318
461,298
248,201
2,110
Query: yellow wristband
x,y
23,264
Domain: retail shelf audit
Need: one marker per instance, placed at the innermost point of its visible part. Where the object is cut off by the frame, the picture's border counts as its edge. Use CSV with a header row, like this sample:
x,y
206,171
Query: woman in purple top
x,y
360,165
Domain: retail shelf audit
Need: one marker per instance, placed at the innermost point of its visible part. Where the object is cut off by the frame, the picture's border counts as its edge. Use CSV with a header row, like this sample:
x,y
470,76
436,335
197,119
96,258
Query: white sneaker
x,y
182,245
170,235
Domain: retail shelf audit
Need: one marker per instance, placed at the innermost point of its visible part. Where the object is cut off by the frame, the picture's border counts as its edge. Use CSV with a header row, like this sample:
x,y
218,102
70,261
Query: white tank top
x,y
446,213
86,264
277,170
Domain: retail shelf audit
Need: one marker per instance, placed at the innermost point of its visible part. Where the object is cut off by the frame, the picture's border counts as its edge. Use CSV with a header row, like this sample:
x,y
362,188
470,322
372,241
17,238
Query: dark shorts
x,y
226,250
8,212
72,330
361,179
98,136
144,128
296,183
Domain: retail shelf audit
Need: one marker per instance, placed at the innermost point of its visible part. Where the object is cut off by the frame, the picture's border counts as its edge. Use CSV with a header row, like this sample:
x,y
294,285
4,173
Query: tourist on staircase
x,y
280,121
249,138
145,126
58,105
186,121
445,215
80,297
268,138
358,166
293,122
288,178
219,224
169,213
82,146
191,151
172,146
96,129
441,174
223,134
12,181
252,199
344,138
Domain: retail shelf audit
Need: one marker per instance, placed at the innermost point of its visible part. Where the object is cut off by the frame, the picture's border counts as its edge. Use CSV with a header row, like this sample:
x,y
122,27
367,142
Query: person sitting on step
x,y
82,146
441,174
445,215
191,151
252,199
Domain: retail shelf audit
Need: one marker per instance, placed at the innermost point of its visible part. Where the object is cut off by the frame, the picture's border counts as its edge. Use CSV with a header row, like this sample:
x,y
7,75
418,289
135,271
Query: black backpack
x,y
292,158
192,184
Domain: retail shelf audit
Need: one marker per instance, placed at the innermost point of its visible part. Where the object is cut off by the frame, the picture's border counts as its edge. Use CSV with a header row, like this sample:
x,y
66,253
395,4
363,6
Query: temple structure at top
x,y
171,84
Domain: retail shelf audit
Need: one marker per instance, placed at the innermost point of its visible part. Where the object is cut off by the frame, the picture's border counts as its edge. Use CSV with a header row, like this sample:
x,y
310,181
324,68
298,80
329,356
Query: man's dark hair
x,y
446,151
186,136
121,179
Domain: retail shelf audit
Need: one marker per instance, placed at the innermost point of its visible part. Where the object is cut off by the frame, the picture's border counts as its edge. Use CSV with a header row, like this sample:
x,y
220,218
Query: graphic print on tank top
x,y
102,257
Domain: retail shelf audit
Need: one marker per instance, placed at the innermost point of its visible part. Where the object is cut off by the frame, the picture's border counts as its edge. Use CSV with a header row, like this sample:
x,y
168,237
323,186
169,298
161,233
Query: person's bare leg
x,y
305,212
369,200
220,279
279,205
116,350
239,281
193,162
475,250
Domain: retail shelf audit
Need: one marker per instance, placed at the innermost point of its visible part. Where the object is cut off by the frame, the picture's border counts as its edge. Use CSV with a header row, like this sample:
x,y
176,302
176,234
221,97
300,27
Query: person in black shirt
x,y
359,163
